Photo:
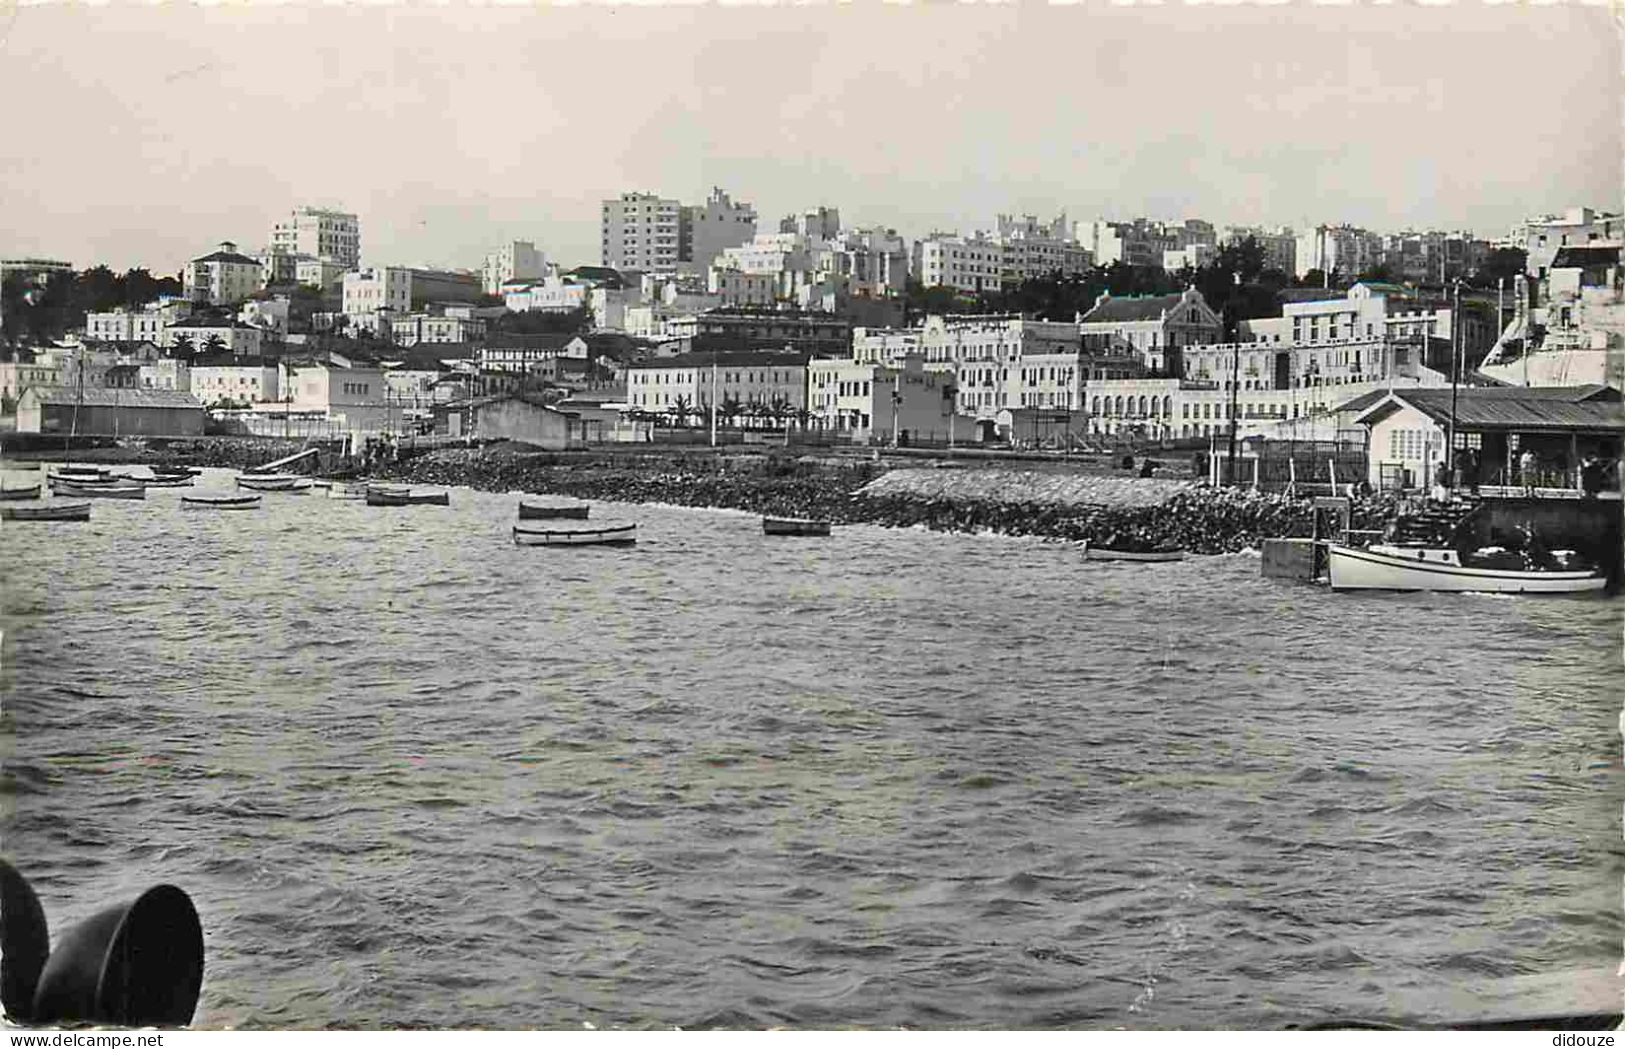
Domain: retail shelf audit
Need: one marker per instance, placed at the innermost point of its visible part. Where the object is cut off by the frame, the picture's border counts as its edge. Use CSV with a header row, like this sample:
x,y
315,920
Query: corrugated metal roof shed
x,y
100,397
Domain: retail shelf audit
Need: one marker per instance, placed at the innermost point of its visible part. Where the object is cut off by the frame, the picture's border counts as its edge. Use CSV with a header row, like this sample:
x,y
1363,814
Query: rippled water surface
x,y
414,775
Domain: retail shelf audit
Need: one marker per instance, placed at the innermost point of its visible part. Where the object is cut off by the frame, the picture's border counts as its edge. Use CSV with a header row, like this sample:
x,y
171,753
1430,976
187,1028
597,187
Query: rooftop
x,y
726,359
100,397
1588,408
1140,308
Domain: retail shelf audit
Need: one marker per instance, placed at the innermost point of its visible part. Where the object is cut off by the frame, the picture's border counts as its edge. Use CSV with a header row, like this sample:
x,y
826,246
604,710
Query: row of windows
x,y
360,389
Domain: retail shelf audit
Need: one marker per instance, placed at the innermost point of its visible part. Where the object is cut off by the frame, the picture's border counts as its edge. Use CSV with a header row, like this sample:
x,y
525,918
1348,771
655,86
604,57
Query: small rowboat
x,y
100,491
50,512
1096,553
82,471
390,496
340,490
168,481
611,535
1422,568
87,480
175,471
553,511
14,494
221,502
274,483
794,526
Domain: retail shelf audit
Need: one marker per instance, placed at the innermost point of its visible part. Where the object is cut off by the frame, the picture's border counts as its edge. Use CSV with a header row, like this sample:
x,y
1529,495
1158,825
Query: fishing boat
x,y
608,535
161,481
19,494
221,502
390,495
100,491
87,480
82,471
794,526
1387,567
1100,553
274,483
553,511
48,512
175,471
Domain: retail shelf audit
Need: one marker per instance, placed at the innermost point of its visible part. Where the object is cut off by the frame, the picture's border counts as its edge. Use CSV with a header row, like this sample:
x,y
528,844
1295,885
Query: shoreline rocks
x,y
1198,519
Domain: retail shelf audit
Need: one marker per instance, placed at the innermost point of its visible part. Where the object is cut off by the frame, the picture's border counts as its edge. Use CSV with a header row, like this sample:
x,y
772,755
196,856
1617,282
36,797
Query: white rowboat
x,y
613,535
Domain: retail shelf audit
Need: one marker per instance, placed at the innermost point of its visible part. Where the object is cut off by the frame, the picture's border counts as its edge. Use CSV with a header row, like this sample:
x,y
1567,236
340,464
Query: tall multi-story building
x,y
222,278
515,260
319,233
1280,245
822,223
641,231
719,223
1137,243
1346,251
1545,236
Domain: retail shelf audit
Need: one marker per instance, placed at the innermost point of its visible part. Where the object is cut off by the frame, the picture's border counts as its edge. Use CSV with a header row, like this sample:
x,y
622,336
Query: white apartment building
x,y
129,325
821,223
1366,311
321,234
875,261
640,231
1193,257
964,263
222,278
1345,250
516,260
241,382
209,337
317,272
166,373
750,378
268,315
1545,236
417,328
714,226
999,362
347,398
733,287
552,294
401,290
872,402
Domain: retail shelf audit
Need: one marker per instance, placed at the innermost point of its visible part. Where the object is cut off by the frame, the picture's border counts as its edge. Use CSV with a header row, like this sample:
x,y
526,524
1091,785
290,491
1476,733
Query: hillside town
x,y
699,322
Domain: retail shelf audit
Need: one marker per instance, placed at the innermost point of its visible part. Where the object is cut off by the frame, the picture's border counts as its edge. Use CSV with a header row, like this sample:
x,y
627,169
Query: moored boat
x,y
100,491
274,483
794,526
82,471
390,495
175,471
48,512
1431,568
553,511
1097,553
221,502
607,535
161,481
87,480
18,494
342,490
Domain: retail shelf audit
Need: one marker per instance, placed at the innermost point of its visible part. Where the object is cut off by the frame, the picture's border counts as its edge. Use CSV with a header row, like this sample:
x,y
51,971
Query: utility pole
x,y
713,400
1455,379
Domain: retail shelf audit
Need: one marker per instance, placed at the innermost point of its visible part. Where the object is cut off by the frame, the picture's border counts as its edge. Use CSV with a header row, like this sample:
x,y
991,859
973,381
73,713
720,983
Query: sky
x,y
144,135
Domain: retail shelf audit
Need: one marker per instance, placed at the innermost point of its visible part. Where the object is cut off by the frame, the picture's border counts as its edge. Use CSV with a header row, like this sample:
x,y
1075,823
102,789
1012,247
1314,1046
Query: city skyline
x,y
448,131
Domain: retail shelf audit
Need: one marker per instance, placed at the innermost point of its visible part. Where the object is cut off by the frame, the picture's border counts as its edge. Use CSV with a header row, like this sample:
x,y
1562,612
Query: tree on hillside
x,y
537,322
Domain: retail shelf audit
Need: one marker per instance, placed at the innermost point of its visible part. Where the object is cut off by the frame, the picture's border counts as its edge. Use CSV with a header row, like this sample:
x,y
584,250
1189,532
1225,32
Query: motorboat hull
x,y
19,494
1351,568
406,497
616,535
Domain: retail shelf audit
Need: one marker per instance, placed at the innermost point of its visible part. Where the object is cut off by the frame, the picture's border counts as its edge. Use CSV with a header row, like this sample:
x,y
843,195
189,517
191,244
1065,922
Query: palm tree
x,y
182,349
681,409
730,408
213,344
803,417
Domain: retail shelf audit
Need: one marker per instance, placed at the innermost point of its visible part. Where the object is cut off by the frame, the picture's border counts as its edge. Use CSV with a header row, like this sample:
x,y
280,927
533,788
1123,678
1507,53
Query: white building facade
x,y
320,234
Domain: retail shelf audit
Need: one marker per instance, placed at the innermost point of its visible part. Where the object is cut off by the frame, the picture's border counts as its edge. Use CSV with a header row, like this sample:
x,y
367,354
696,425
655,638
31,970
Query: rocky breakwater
x,y
767,484
1116,511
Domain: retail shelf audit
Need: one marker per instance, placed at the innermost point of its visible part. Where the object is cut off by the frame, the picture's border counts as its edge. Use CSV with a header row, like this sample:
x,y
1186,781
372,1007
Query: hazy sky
x,y
142,135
